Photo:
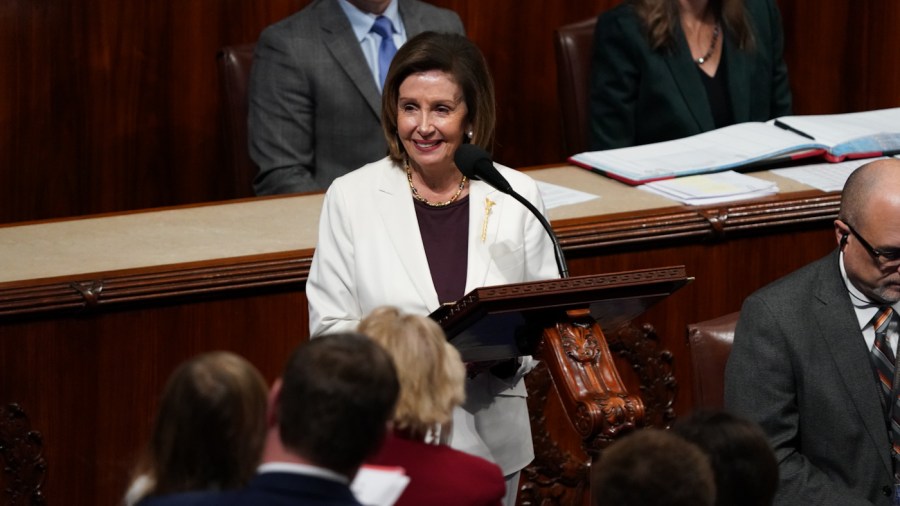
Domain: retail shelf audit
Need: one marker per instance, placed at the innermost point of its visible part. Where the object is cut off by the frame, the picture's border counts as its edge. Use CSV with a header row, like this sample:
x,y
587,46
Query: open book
x,y
833,137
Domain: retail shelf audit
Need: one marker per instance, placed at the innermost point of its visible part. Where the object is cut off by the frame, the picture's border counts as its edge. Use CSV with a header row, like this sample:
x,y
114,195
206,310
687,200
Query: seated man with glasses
x,y
813,360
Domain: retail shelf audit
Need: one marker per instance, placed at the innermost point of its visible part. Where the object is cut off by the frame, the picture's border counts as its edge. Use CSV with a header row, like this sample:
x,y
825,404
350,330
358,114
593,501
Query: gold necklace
x,y
712,47
415,192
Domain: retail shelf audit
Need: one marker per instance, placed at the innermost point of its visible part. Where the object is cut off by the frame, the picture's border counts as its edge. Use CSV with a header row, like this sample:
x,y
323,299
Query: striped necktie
x,y
386,51
884,362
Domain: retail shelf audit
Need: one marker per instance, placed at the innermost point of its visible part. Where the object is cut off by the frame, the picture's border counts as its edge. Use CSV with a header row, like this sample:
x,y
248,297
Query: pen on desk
x,y
792,129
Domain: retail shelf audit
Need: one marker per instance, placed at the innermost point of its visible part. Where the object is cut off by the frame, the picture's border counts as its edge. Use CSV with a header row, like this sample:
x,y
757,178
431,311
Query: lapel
x,y
412,19
837,323
684,73
337,34
737,64
479,263
398,215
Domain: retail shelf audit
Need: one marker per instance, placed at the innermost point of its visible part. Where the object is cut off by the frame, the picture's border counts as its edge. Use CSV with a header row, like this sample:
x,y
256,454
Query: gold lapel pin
x,y
488,204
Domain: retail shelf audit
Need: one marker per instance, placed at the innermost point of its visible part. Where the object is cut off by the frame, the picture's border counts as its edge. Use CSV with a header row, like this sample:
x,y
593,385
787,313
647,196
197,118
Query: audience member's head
x,y
742,460
868,231
652,467
432,375
210,427
334,401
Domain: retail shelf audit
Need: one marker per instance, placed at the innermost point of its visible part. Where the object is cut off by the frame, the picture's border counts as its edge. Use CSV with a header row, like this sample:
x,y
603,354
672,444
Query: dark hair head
x,y
652,467
463,62
210,428
742,460
338,393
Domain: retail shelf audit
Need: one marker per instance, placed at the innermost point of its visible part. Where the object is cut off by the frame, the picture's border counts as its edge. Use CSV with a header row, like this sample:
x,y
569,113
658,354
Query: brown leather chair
x,y
574,45
234,74
710,344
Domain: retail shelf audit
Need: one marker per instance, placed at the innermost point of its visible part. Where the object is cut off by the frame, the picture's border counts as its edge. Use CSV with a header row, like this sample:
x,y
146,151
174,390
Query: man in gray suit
x,y
314,93
801,363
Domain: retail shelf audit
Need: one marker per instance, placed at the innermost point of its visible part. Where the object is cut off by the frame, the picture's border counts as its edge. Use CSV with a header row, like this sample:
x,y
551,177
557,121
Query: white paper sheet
x,y
379,485
712,188
828,177
556,196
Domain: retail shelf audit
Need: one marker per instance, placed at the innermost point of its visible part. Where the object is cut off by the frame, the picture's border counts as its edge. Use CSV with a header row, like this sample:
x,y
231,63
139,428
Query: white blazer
x,y
370,254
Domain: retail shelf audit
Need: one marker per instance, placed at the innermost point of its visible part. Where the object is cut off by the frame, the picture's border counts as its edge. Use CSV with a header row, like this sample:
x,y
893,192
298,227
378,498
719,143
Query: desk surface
x,y
120,242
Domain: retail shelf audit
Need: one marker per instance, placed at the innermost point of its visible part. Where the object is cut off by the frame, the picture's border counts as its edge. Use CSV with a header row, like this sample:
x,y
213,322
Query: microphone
x,y
475,163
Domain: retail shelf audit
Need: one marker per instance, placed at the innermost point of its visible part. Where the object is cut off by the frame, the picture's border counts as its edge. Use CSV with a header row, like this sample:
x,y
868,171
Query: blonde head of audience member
x,y
209,431
431,373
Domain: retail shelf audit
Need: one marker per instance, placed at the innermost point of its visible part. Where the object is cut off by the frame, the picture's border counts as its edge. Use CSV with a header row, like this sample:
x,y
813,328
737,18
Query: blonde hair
x,y
431,372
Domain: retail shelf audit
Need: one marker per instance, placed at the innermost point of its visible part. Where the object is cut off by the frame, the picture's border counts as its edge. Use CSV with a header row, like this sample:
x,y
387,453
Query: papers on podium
x,y
752,145
706,189
828,177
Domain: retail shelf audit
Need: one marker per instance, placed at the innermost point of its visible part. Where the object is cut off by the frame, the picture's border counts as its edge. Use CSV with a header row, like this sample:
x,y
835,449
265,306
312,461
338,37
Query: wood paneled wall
x,y
109,106
86,356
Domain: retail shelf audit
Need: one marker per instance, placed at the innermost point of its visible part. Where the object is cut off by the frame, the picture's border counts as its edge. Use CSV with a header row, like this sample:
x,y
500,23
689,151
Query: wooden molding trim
x,y
101,290
113,289
719,222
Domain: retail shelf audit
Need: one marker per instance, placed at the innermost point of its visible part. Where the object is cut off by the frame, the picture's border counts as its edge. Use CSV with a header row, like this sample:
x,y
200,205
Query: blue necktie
x,y
384,28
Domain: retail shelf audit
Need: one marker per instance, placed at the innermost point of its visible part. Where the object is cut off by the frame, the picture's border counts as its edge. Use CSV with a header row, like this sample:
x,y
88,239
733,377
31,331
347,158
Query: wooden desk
x,y
96,312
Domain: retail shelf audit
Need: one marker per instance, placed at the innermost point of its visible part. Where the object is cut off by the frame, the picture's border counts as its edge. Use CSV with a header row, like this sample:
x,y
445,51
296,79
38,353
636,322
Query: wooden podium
x,y
562,322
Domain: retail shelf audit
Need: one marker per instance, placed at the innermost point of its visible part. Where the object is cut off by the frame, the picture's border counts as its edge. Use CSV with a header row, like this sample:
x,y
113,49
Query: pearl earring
x,y
470,133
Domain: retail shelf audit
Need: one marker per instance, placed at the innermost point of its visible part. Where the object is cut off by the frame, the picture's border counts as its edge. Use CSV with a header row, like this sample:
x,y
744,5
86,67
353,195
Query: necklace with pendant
x,y
415,192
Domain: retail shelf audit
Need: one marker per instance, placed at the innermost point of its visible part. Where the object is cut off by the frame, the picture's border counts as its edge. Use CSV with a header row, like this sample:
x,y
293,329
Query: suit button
x,y
887,490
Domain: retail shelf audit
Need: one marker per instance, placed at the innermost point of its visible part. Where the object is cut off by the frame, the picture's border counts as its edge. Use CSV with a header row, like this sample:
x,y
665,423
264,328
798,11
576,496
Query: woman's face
x,y
431,119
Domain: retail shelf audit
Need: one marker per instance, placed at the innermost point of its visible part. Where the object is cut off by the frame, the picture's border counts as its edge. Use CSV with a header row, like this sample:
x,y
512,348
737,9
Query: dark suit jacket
x,y
442,476
267,489
314,107
800,368
639,96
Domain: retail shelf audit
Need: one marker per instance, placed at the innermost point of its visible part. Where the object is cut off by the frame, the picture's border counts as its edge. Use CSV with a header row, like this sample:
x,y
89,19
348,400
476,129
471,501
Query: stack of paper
x,y
712,188
828,177
832,137
556,196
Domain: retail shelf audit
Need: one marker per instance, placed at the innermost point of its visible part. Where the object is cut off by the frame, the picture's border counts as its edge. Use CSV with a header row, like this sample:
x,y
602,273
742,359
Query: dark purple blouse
x,y
445,235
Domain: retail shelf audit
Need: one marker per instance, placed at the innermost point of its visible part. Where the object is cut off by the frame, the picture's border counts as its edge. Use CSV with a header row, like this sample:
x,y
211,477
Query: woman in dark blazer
x,y
663,70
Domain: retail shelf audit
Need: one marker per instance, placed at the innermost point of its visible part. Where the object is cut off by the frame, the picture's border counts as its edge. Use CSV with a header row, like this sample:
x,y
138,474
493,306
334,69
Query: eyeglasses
x,y
883,257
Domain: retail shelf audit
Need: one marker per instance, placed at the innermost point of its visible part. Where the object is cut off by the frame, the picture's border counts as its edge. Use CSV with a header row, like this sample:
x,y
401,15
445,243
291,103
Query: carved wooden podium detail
x,y
640,347
562,322
556,475
560,477
592,392
24,467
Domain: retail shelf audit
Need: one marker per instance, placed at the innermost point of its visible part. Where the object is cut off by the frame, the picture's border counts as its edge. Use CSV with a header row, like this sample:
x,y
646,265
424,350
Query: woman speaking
x,y
411,231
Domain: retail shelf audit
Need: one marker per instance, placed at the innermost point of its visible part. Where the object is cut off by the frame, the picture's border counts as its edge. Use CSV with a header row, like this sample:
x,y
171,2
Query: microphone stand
x,y
475,163
557,249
